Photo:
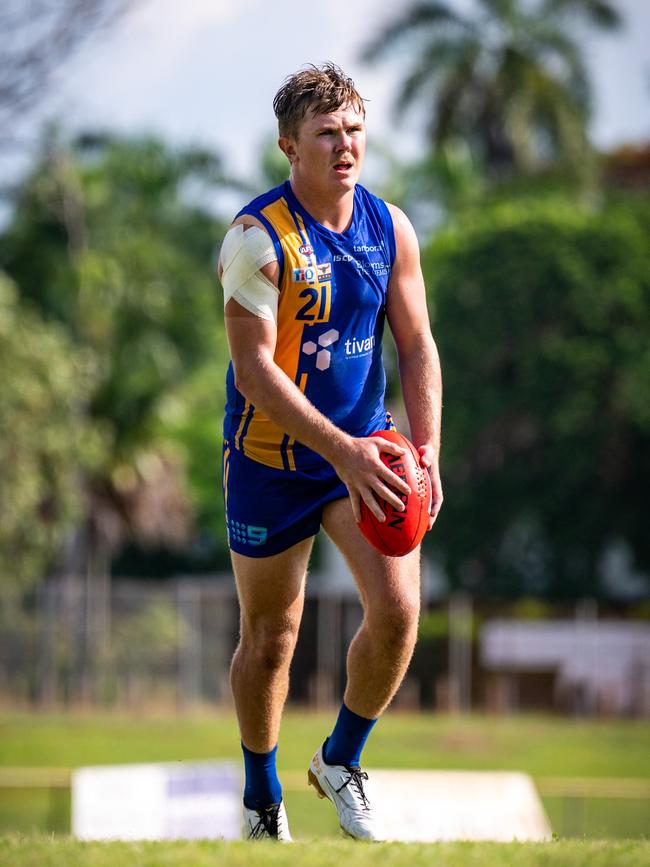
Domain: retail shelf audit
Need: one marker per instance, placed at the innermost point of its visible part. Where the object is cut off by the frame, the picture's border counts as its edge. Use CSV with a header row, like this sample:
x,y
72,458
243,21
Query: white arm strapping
x,y
243,253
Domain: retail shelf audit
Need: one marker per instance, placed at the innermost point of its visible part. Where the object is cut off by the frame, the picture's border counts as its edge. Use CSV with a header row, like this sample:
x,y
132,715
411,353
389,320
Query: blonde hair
x,y
319,89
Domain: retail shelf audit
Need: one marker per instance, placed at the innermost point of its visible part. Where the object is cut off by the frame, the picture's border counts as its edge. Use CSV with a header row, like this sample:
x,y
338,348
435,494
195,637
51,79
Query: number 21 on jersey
x,y
318,298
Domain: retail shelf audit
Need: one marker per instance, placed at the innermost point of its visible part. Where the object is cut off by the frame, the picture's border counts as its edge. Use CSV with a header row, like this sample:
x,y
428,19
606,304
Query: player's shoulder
x,y
261,202
264,211
405,237
401,223
367,197
265,241
400,220
253,213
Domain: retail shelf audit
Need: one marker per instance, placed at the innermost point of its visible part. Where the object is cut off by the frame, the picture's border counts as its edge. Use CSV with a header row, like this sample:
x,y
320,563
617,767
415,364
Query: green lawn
x,y
545,747
45,852
542,746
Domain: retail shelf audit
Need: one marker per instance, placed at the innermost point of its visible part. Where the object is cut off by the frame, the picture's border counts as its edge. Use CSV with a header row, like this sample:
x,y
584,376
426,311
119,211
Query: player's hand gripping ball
x,y
401,532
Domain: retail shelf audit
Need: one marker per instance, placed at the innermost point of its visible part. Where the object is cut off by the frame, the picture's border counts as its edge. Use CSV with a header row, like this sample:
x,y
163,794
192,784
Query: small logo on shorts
x,y
246,534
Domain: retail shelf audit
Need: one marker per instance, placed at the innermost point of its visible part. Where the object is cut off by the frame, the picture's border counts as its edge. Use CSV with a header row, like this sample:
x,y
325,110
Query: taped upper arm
x,y
249,271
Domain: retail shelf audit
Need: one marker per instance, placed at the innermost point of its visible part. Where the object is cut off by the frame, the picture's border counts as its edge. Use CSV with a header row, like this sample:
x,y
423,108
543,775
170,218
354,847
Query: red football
x,y
401,532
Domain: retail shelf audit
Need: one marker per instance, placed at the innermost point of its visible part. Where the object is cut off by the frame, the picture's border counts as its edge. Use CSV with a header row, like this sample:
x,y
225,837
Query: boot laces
x,y
267,825
355,782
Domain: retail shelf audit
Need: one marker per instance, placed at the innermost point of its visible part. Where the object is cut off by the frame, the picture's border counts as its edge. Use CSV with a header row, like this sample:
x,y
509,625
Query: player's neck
x,y
333,212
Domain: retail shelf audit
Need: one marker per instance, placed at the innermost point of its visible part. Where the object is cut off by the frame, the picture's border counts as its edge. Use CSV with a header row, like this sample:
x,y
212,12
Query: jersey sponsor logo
x,y
304,275
379,269
306,250
353,347
312,273
368,248
358,347
323,354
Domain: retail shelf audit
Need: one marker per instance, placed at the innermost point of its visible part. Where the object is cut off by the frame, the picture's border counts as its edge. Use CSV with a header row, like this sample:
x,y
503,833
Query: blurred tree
x,y
274,168
628,168
445,181
507,79
36,38
106,241
542,317
46,440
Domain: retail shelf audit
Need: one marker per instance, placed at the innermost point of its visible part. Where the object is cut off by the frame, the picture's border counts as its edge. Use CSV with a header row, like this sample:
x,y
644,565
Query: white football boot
x,y
346,788
268,824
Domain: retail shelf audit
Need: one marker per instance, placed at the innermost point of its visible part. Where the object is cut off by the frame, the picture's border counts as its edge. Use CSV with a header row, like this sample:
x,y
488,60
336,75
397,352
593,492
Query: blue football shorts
x,y
267,509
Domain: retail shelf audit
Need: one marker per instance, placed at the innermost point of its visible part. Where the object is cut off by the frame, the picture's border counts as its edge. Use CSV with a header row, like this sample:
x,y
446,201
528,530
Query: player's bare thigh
x,y
271,589
382,581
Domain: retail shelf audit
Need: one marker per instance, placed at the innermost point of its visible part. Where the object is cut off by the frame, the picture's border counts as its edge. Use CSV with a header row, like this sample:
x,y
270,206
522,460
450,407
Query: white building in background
x,y
596,666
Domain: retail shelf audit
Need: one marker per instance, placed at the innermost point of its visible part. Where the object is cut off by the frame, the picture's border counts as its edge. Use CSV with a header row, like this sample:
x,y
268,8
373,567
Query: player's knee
x,y
396,622
272,644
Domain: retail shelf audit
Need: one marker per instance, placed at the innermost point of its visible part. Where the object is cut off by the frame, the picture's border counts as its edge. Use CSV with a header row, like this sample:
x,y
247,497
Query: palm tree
x,y
509,79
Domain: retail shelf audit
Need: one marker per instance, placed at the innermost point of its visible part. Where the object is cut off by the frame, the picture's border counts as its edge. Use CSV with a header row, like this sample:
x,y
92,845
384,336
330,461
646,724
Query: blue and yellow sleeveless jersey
x,y
331,311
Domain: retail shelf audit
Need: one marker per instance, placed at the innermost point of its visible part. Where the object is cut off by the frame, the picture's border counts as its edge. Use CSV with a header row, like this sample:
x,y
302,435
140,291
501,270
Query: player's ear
x,y
288,148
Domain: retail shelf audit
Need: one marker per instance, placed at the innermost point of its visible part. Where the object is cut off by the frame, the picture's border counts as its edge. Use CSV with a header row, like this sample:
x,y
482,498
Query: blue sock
x,y
344,745
262,785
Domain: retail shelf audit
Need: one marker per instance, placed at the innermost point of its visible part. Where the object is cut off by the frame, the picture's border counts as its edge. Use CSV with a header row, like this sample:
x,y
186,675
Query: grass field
x,y
545,747
542,746
43,852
